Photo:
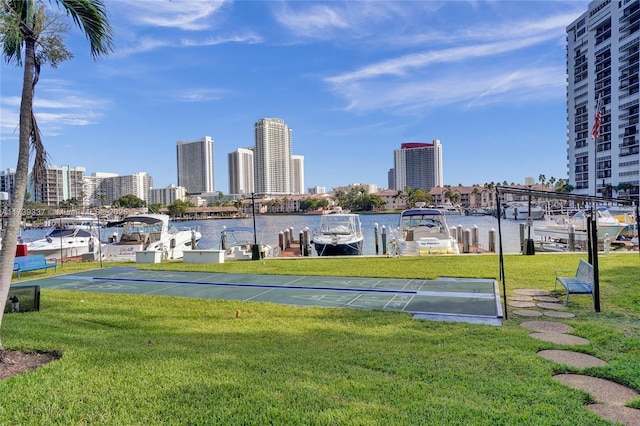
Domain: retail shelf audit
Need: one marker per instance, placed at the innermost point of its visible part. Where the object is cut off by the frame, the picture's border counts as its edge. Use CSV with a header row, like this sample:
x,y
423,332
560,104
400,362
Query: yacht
x,y
339,234
423,231
149,232
69,237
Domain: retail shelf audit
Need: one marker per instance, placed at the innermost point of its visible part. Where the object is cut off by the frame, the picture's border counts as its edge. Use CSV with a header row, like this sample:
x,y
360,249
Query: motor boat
x,y
238,243
564,228
149,232
339,234
70,237
520,211
423,231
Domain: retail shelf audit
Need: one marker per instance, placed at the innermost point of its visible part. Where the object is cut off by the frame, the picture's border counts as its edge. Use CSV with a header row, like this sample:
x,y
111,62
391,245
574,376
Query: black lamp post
x,y
529,247
255,250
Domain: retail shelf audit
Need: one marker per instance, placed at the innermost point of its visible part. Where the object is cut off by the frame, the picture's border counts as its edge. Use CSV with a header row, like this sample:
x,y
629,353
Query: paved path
x,y
610,397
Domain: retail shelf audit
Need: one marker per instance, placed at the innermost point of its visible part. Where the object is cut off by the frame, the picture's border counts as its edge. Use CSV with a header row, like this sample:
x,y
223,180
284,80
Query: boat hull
x,y
329,249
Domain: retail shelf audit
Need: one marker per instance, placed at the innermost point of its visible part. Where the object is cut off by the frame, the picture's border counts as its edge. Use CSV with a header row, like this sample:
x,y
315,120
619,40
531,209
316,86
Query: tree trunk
x,y
10,239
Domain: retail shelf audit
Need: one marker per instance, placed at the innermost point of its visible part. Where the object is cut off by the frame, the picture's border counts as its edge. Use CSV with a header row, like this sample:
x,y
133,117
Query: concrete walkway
x,y
610,397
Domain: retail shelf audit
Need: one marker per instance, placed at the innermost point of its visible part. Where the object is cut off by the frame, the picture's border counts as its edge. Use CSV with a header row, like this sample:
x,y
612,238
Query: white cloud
x,y
190,15
200,95
479,89
55,106
472,72
149,44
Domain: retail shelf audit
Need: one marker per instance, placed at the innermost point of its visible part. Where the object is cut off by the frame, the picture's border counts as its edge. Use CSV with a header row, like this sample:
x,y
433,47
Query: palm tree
x,y
625,187
31,38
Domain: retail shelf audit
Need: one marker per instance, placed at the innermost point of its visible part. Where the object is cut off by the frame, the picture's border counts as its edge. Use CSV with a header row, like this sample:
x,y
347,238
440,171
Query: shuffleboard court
x,y
450,299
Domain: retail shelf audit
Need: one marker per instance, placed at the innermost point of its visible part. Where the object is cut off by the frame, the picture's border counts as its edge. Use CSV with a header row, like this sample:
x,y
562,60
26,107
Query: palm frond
x,y
92,17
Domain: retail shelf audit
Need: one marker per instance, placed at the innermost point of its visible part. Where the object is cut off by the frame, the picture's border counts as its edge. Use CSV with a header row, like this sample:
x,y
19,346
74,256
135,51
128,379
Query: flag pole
x,y
595,133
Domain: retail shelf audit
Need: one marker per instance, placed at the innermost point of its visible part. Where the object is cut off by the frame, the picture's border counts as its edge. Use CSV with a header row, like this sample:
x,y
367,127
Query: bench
x,y
580,283
33,262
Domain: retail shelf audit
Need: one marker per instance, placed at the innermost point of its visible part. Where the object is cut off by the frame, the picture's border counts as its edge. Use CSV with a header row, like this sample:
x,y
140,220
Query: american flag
x,y
595,130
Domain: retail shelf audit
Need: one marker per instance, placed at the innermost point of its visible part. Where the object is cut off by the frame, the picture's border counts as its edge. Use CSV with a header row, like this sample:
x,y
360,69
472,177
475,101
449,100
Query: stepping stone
x,y
547,299
560,338
520,298
547,326
521,304
603,391
554,306
623,415
527,313
559,314
531,292
572,359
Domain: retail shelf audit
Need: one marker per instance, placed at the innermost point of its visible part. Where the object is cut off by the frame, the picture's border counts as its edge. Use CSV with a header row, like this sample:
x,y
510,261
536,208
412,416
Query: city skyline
x,y
353,79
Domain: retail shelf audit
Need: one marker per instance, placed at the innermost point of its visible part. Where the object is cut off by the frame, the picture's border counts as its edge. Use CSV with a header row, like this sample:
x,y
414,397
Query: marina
x,y
272,226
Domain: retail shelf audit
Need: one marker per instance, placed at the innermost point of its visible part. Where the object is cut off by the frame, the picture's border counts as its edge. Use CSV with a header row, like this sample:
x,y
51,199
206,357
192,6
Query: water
x,y
272,225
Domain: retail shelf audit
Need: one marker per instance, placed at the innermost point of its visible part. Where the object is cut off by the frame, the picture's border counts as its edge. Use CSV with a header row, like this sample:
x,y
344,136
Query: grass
x,y
130,359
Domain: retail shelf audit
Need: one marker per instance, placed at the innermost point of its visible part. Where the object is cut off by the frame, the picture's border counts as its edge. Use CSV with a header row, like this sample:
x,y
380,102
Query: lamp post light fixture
x,y
529,247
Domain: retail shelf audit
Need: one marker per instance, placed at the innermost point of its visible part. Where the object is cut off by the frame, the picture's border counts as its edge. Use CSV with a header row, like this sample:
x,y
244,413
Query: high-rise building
x,y
272,157
195,165
297,174
113,187
241,171
418,165
167,196
58,184
603,48
7,181
93,194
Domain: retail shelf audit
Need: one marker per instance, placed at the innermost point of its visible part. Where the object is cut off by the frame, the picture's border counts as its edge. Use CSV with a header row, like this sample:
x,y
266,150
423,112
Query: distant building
x,y
167,196
391,178
297,174
112,188
272,157
58,184
93,194
602,62
317,190
369,188
418,165
195,165
241,173
8,181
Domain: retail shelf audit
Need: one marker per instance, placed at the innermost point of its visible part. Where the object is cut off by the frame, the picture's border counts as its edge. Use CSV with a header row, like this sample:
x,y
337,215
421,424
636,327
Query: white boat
x,y
423,231
520,211
69,237
449,209
339,234
563,228
238,242
149,232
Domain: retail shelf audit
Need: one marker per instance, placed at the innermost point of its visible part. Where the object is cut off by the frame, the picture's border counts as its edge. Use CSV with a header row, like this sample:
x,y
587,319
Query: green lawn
x,y
164,360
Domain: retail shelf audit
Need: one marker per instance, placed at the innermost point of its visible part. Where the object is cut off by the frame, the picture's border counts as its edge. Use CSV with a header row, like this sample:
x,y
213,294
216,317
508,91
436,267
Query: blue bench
x,y
33,262
580,283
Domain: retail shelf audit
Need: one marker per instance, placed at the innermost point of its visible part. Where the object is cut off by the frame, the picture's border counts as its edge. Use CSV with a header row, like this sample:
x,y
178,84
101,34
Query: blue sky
x,y
352,79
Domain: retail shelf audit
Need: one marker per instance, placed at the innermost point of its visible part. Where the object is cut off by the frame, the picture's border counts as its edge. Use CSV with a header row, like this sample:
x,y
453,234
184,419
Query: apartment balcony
x,y
628,142
631,13
624,152
628,67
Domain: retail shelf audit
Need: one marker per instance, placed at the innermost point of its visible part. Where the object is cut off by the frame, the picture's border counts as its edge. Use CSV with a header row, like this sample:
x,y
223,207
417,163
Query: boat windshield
x,y
61,233
415,221
135,231
334,225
